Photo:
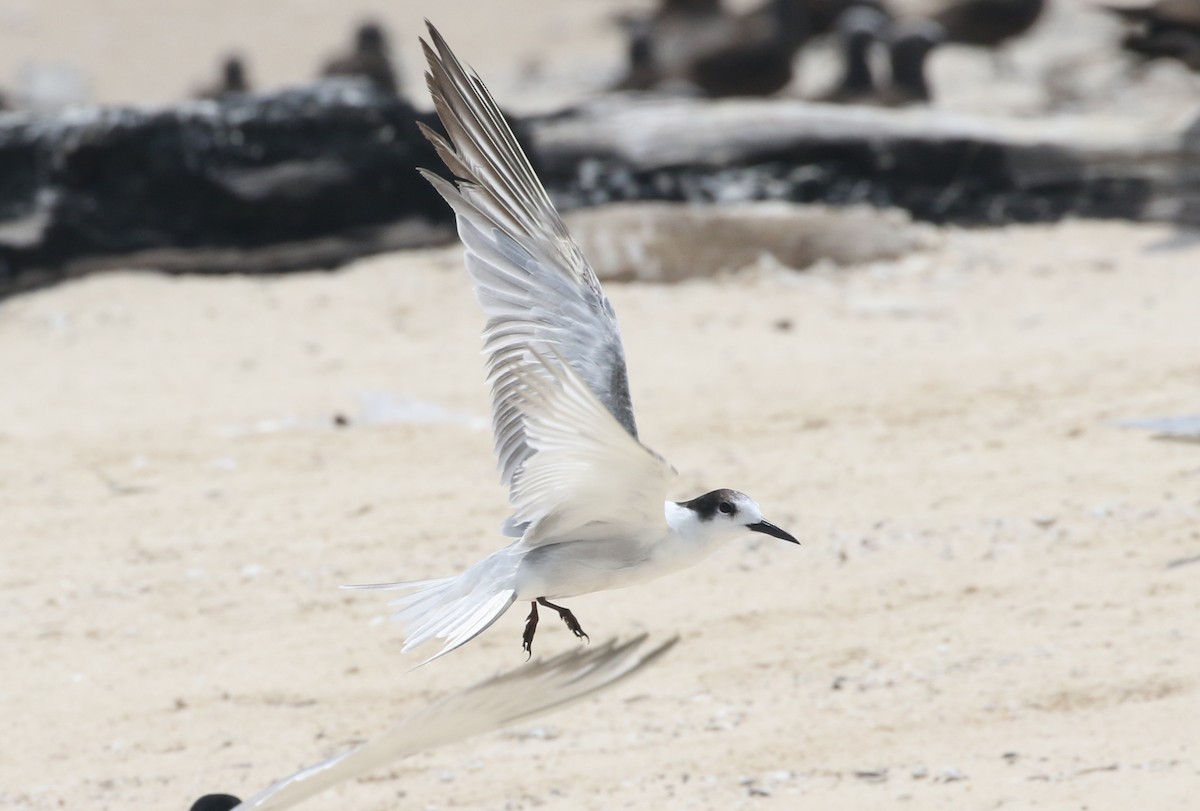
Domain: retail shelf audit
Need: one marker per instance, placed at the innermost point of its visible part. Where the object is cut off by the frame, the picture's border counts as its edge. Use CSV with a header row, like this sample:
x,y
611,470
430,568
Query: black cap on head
x,y
709,504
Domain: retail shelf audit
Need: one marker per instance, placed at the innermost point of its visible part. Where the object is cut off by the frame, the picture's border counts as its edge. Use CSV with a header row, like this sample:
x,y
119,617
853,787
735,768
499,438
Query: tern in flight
x,y
589,501
506,699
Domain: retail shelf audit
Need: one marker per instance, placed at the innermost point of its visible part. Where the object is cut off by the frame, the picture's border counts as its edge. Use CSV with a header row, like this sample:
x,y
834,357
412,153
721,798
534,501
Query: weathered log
x,y
310,177
941,168
315,176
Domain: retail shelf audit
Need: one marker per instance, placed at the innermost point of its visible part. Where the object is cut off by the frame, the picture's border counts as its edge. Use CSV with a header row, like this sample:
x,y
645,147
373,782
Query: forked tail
x,y
453,609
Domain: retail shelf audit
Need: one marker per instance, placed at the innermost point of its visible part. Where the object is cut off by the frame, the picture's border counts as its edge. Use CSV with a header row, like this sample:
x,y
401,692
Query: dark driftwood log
x,y
305,178
316,176
940,168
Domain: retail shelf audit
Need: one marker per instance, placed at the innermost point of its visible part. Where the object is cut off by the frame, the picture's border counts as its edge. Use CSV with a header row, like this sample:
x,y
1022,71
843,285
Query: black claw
x,y
565,614
574,627
530,628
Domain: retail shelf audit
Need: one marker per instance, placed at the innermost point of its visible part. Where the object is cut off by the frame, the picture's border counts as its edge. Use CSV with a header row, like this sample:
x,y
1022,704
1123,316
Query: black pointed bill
x,y
767,528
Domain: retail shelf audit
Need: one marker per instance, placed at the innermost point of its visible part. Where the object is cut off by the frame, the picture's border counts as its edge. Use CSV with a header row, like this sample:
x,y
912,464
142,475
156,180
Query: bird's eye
x,y
726,508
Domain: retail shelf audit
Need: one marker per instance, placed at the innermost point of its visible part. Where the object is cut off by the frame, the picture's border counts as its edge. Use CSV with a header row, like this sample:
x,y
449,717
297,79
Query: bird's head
x,y
725,513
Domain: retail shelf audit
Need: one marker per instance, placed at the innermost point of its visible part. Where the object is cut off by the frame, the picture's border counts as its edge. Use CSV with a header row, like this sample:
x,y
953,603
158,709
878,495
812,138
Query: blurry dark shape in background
x,y
317,176
314,176
232,80
654,40
1166,29
908,53
858,30
702,46
938,169
370,59
642,73
755,54
988,23
823,15
1182,46
320,175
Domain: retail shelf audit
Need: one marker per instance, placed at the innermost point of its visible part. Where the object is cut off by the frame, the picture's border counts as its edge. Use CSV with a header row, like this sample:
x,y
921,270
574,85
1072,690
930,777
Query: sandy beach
x,y
994,604
983,613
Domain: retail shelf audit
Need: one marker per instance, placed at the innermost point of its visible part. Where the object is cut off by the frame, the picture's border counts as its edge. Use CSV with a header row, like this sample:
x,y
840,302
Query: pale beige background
x,y
982,614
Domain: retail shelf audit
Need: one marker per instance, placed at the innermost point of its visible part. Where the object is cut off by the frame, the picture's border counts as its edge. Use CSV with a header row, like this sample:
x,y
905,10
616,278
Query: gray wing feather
x,y
509,698
531,279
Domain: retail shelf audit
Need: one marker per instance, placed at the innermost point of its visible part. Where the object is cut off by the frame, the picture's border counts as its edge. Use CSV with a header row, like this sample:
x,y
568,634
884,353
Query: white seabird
x,y
590,507
493,704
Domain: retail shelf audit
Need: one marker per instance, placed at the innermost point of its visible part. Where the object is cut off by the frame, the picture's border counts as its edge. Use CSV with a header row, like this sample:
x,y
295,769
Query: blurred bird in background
x,y
909,46
858,30
699,46
505,699
1165,29
233,80
823,15
370,58
989,24
702,46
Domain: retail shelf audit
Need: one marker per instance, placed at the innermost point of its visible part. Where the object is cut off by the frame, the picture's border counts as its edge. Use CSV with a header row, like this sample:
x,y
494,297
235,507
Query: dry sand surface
x,y
983,614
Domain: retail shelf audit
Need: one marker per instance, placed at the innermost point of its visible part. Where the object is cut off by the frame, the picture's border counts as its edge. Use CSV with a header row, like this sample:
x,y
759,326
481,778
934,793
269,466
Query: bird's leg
x,y
565,614
530,629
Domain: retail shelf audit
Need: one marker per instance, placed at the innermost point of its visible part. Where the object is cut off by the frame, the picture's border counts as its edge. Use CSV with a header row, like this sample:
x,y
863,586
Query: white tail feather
x,y
453,609
403,586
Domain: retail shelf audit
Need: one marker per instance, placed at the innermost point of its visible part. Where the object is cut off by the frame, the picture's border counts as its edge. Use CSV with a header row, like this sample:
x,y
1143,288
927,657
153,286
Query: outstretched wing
x,y
585,477
506,699
530,277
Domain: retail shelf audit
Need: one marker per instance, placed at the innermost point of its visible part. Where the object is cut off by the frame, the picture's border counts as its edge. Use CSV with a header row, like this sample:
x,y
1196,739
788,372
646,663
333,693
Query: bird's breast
x,y
571,568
